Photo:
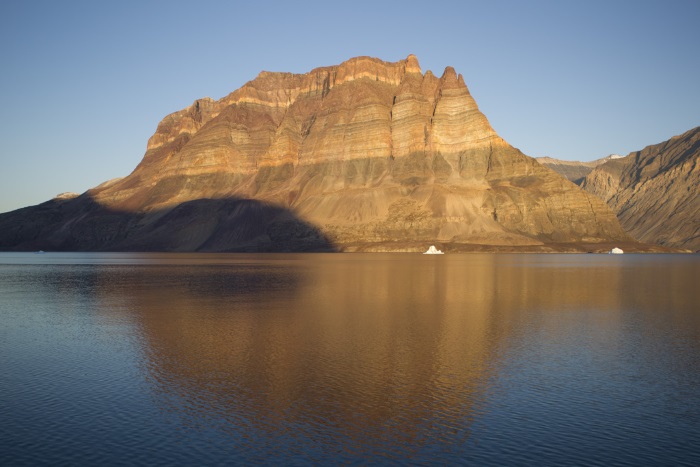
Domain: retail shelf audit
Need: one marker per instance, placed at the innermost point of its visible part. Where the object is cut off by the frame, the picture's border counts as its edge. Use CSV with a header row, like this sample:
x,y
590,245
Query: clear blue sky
x,y
84,84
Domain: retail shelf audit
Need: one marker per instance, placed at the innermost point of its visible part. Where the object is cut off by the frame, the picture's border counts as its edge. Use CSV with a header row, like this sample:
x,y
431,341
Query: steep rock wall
x,y
364,152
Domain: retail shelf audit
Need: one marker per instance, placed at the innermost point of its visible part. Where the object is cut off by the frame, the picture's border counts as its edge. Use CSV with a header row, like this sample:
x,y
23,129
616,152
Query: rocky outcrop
x,y
655,191
363,153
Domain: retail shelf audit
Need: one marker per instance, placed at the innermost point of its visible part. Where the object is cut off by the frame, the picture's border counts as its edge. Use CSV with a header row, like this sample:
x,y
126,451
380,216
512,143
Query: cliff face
x,y
363,153
655,192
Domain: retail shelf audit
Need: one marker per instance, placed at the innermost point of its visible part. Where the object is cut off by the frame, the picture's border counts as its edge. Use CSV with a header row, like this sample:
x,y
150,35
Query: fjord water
x,y
488,359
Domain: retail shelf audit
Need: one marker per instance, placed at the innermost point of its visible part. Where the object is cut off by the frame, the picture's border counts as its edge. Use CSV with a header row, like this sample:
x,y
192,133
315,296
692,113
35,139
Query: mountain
x,y
365,155
574,170
654,192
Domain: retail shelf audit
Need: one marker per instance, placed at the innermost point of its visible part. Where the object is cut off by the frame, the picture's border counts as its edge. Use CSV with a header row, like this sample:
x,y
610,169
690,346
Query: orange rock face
x,y
366,152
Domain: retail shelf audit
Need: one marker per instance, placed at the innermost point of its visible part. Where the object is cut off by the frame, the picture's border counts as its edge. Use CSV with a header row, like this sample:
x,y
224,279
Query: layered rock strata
x,y
655,192
363,153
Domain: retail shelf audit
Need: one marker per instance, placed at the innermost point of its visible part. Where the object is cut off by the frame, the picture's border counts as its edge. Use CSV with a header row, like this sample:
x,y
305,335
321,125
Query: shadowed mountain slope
x,y
369,153
655,192
204,225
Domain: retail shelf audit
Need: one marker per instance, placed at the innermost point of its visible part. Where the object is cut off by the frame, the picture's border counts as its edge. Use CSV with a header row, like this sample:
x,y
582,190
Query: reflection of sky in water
x,y
488,358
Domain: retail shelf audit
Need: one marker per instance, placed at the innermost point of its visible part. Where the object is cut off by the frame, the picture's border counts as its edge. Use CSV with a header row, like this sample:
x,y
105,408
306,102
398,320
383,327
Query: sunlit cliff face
x,y
365,155
367,152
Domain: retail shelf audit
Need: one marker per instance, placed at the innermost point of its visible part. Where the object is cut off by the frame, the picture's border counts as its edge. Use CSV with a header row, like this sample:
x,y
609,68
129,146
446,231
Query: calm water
x,y
476,359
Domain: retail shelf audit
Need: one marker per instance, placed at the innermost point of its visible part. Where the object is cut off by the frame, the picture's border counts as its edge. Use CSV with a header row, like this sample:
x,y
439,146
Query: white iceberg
x,y
433,251
616,251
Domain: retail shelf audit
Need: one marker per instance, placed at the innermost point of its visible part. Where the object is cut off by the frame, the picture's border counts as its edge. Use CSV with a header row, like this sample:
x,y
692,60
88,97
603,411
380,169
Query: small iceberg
x,y
615,251
433,251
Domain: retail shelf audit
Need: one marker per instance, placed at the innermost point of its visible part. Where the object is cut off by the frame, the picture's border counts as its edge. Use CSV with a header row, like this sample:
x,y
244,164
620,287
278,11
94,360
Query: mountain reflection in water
x,y
359,352
356,358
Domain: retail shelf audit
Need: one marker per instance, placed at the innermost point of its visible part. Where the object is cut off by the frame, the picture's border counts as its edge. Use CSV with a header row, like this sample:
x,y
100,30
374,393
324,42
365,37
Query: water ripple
x,y
348,359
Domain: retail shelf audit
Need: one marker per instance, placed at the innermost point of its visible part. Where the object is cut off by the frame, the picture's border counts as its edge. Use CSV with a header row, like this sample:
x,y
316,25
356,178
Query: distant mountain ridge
x,y
365,155
574,170
655,192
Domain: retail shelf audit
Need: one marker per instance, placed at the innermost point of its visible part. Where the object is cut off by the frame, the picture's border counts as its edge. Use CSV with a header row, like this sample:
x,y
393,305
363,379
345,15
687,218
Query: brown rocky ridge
x,y
654,192
365,155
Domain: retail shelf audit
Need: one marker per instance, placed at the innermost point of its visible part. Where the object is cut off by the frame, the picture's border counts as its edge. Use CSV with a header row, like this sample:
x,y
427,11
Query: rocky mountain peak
x,y
366,154
412,65
449,78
